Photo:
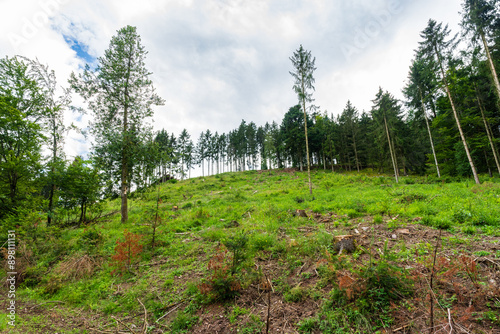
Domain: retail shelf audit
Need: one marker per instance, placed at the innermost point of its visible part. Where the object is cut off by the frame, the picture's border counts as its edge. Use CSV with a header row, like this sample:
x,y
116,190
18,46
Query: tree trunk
x,y
124,188
429,131
490,137
393,158
355,150
53,170
491,65
462,136
307,141
125,145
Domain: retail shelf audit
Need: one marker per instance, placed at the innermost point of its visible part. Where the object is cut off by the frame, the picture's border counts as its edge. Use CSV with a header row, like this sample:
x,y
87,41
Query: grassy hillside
x,y
240,252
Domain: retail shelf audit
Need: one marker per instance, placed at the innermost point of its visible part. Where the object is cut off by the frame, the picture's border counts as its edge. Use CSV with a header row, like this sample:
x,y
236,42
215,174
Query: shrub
x,y
126,252
223,283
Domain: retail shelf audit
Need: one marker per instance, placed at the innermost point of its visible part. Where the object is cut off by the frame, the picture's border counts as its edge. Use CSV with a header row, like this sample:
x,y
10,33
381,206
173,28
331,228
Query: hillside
x,y
251,252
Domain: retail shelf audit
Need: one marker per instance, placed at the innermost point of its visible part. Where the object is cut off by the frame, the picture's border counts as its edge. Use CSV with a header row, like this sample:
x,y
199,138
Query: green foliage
x,y
371,289
121,96
80,189
236,312
90,240
223,282
294,295
21,108
183,322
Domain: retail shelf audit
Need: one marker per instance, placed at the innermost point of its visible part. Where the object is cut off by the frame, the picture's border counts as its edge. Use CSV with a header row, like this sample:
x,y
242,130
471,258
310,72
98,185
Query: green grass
x,y
262,205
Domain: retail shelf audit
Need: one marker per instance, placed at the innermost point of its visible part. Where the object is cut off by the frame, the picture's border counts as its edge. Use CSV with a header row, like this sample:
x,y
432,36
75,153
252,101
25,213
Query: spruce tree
x,y
120,94
303,64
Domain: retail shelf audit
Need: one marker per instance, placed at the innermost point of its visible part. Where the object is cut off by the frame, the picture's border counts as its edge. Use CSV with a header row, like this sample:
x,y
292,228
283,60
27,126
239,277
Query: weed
x,y
294,295
183,322
308,325
378,219
482,253
253,326
263,241
236,312
470,230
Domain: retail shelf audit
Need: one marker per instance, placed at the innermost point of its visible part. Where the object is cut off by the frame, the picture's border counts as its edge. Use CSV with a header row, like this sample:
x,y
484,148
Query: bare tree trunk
x,y
355,150
462,136
429,131
394,163
491,65
490,137
124,188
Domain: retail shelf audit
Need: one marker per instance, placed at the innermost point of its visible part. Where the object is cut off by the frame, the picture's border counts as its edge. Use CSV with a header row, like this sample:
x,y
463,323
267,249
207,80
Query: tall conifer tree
x,y
303,64
120,95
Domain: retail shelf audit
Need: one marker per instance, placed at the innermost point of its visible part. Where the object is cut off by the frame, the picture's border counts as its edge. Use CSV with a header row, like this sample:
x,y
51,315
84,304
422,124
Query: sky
x,y
217,62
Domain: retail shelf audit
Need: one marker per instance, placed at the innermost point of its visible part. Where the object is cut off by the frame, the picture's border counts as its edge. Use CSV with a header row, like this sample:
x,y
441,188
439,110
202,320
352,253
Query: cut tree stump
x,y
301,213
343,243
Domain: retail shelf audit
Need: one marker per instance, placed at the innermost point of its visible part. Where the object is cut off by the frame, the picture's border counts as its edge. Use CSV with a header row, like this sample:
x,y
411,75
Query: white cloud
x,y
216,62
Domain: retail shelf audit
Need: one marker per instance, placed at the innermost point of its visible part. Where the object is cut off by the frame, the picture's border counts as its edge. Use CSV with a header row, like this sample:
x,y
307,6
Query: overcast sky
x,y
216,62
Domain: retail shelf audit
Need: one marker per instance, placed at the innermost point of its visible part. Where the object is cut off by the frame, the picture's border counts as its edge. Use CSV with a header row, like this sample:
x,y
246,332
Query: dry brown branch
x,y
431,329
123,324
145,324
176,307
449,321
268,304
400,328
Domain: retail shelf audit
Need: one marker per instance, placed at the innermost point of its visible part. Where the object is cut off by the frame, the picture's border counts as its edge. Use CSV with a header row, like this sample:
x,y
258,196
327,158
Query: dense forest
x,y
448,125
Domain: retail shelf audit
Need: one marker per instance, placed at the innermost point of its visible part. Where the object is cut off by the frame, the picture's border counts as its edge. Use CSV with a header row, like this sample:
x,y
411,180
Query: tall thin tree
x,y
418,88
433,46
303,64
120,94
478,21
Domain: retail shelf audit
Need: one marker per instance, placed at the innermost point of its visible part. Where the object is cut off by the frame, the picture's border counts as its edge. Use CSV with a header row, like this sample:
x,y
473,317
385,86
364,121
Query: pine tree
x,y
418,91
478,22
303,64
435,46
120,95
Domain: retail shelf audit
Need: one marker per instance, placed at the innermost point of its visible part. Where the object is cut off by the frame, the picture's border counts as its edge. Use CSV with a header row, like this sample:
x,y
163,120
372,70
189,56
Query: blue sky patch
x,y
80,49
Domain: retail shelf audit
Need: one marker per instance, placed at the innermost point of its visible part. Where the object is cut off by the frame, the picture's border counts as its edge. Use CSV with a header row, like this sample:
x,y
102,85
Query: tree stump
x,y
301,213
343,243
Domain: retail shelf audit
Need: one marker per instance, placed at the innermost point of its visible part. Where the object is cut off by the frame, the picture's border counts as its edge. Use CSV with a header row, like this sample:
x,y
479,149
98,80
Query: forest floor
x,y
426,259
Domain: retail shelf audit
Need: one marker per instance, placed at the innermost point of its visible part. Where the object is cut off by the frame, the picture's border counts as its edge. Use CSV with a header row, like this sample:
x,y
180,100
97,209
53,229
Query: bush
x,y
223,284
126,252
371,289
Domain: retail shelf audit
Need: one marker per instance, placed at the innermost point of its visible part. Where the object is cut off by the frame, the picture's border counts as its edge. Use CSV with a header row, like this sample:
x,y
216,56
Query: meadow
x,y
254,252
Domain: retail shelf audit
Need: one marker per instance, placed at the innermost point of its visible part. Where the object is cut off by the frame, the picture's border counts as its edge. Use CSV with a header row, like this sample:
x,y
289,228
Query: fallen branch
x,y
123,324
145,324
268,305
400,328
163,316
482,259
449,321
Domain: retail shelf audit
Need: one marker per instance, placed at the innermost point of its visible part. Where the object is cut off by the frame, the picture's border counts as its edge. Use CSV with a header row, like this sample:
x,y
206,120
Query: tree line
x,y
447,125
